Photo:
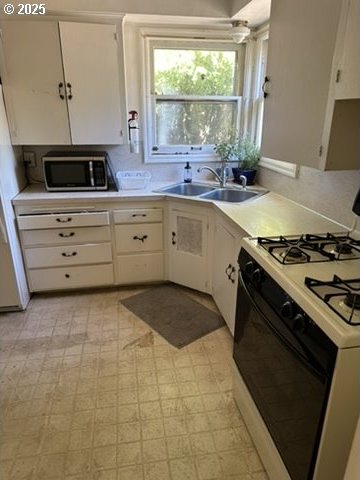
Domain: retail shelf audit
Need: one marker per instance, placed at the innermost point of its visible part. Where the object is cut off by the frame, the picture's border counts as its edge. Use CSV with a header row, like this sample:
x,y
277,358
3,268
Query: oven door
x,y
287,370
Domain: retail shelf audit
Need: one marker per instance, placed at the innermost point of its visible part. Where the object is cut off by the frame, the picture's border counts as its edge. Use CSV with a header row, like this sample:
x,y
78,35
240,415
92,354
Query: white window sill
x,y
181,158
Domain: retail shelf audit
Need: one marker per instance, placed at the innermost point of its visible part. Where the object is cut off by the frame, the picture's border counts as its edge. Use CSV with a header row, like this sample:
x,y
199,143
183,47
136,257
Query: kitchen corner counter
x,y
267,215
36,193
271,215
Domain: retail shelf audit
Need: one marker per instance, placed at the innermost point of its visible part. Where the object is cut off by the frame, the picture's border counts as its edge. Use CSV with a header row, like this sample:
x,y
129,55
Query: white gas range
x,y
326,286
297,351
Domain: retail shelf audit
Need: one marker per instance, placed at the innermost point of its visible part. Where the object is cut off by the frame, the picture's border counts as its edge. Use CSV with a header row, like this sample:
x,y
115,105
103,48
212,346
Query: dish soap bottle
x,y
187,173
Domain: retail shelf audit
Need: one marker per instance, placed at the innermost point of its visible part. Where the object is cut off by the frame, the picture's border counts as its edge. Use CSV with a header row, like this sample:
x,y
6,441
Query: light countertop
x,y
267,215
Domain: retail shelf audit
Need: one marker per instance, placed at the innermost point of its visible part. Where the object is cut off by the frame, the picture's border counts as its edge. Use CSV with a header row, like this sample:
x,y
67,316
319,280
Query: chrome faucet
x,y
243,181
221,178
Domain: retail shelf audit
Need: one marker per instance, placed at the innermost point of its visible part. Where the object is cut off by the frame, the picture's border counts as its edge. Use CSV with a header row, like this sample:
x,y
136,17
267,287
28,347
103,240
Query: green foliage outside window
x,y
202,73
198,73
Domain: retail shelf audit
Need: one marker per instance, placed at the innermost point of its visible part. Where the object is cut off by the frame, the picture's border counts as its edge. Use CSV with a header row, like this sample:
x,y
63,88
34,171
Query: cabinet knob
x,y
66,235
64,220
67,275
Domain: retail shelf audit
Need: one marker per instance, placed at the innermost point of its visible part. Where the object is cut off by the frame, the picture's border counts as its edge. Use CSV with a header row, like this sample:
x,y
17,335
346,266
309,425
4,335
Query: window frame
x,y
193,152
253,105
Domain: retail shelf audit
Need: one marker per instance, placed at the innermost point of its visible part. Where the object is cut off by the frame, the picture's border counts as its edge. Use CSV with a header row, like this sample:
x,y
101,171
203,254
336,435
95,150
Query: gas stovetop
x,y
322,277
341,296
310,248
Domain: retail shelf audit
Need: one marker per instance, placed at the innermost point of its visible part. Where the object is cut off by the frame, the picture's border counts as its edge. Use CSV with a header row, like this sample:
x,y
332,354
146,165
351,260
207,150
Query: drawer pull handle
x,y
64,220
60,89
138,215
173,237
229,270
66,235
142,239
68,87
67,275
67,254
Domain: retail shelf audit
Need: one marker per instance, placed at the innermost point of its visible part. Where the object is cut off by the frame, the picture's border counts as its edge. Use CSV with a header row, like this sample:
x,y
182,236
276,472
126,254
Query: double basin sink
x,y
224,194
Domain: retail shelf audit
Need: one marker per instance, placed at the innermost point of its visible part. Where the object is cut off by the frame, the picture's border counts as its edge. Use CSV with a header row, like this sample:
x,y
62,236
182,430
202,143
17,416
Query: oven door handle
x,y
307,357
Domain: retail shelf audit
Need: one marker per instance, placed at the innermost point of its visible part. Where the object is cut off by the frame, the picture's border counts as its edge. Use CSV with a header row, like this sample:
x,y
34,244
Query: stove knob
x,y
249,267
300,323
287,309
256,277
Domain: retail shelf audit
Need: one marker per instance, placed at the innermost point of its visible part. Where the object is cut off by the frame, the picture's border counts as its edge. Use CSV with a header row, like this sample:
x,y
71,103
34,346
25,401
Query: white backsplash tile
x,y
330,193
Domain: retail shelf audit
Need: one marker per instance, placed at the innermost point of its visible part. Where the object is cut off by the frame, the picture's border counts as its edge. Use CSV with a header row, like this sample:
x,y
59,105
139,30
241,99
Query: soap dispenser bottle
x,y
187,173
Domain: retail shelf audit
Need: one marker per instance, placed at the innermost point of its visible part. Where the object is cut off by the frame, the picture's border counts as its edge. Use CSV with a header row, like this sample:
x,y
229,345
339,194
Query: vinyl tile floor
x,y
89,392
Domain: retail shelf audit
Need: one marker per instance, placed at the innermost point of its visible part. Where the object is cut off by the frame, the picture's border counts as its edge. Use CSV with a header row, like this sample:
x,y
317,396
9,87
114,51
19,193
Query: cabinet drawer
x,y
34,222
139,238
66,235
68,255
138,215
140,268
71,277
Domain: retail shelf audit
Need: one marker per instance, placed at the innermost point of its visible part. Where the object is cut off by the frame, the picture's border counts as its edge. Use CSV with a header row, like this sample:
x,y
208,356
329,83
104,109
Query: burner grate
x,y
309,248
337,288
343,245
293,251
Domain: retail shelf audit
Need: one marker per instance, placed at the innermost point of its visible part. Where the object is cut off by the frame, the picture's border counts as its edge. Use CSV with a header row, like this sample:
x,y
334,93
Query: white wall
x,y
330,193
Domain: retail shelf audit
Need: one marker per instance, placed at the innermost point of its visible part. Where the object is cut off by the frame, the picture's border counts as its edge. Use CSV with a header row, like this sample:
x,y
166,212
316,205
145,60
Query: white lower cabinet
x,y
66,236
188,246
64,278
141,268
144,237
139,245
67,250
225,270
107,245
68,255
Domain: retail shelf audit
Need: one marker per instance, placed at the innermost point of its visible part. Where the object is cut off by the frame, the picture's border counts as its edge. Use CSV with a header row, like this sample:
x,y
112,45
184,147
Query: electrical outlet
x,y
30,159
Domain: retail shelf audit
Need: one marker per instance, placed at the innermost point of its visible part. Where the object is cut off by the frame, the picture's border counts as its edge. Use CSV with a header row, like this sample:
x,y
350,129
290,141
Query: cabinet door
x,y
32,75
188,263
225,273
92,77
302,41
144,237
348,85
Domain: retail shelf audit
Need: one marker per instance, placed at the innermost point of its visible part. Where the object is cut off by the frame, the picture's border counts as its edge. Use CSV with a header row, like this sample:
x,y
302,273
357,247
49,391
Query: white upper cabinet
x,y
91,69
348,85
303,121
32,74
62,83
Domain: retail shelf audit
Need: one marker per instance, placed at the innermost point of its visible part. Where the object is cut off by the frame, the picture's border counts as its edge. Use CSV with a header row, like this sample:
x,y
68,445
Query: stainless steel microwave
x,y
72,171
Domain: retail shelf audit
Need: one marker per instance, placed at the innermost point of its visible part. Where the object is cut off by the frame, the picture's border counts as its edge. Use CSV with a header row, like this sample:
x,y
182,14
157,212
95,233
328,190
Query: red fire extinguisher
x,y
134,132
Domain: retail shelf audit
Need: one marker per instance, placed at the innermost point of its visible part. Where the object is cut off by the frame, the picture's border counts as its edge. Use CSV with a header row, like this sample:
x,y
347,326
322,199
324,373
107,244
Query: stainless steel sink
x,y
187,189
211,193
230,195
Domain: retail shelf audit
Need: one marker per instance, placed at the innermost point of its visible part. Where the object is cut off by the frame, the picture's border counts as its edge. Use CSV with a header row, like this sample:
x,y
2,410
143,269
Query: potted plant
x,y
248,156
226,152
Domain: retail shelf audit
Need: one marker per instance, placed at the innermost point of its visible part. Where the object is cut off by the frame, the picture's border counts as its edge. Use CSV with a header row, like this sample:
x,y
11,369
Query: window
x,y
192,97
